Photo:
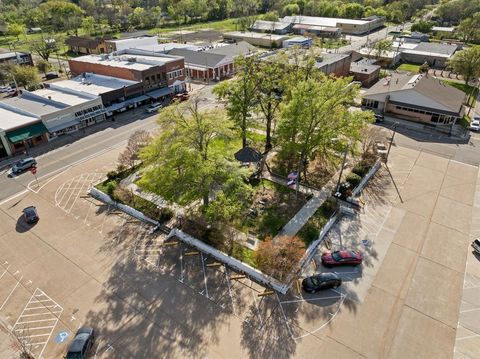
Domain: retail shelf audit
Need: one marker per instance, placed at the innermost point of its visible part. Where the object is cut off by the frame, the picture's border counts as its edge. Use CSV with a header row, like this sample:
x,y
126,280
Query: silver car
x,y
23,165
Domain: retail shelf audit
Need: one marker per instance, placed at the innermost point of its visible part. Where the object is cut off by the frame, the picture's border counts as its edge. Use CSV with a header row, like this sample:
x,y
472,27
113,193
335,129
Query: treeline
x,y
121,15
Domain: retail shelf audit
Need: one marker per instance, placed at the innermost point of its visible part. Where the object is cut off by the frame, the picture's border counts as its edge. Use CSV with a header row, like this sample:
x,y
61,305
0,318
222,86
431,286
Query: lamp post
x,y
391,140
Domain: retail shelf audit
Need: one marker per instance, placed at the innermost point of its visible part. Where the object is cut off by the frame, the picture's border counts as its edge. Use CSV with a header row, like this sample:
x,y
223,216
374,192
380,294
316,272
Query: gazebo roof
x,y
248,154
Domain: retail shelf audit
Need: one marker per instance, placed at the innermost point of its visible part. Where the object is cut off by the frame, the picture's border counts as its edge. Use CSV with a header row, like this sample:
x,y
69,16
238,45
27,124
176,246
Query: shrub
x,y
166,214
360,170
111,175
110,187
328,207
309,233
354,179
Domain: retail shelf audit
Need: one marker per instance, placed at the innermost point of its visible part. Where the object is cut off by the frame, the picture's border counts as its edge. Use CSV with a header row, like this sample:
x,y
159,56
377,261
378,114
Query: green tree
x,y
315,115
61,15
382,47
88,24
353,11
15,29
44,47
187,161
270,82
5,73
26,76
291,9
467,64
239,94
469,29
43,66
423,26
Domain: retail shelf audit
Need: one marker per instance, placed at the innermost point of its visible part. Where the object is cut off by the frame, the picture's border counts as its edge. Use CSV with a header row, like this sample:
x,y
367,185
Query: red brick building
x,y
154,72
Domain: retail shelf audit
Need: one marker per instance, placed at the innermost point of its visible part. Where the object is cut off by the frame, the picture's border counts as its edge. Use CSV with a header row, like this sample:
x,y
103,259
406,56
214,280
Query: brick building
x,y
155,71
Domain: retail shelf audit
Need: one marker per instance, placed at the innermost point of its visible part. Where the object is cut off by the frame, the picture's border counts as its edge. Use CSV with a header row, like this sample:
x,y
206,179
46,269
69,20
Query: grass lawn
x,y
312,228
281,204
220,25
467,89
409,67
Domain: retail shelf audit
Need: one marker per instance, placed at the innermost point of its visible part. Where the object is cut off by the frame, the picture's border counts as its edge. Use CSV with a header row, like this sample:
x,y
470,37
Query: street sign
x,y
33,170
61,337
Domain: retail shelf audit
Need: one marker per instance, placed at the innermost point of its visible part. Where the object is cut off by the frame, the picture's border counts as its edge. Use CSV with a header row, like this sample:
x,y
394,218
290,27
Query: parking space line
x,y
33,336
284,317
86,181
65,192
310,299
36,321
46,306
6,270
36,314
36,328
204,275
73,191
256,304
11,292
229,289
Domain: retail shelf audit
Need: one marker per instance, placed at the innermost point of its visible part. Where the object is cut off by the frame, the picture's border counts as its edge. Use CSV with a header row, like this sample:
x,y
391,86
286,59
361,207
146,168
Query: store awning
x,y
61,125
26,132
137,99
115,106
160,92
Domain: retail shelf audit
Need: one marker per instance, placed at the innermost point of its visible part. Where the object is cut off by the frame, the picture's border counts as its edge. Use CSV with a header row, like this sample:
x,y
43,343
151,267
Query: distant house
x,y
330,64
84,45
129,43
320,31
418,97
434,54
300,41
16,58
274,27
348,26
365,71
255,38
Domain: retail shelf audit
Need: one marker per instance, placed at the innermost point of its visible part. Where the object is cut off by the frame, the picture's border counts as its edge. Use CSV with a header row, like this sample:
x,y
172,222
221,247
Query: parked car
x,y
81,344
5,89
51,75
23,165
342,258
181,97
320,282
379,117
475,125
31,215
154,107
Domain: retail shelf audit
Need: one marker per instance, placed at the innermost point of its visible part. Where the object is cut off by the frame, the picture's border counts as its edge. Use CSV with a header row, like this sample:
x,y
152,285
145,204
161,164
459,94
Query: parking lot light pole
x,y
337,188
391,140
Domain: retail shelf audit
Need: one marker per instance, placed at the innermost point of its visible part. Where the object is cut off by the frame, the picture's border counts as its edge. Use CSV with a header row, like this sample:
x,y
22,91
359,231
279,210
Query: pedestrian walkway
x,y
308,210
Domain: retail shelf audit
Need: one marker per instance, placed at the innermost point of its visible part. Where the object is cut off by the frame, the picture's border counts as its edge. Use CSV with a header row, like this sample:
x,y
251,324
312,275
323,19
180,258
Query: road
x,y
76,148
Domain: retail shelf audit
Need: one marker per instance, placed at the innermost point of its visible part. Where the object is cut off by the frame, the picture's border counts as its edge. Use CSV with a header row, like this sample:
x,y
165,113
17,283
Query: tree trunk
x,y
268,141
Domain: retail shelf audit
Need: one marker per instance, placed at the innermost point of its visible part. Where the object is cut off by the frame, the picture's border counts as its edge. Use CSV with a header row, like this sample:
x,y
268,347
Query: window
x,y
38,138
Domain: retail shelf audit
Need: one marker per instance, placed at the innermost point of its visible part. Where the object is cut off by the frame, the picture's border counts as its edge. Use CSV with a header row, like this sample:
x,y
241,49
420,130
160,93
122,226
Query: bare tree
x,y
370,134
136,142
278,258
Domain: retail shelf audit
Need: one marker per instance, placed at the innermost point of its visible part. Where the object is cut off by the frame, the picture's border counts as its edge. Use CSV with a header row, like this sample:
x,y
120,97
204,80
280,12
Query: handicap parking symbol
x,y
61,337
366,243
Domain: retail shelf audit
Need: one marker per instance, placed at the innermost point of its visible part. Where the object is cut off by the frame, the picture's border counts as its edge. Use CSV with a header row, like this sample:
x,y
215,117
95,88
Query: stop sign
x,y
33,170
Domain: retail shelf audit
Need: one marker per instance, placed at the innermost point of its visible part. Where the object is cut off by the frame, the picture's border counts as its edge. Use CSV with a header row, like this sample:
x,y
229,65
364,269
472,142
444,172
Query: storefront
x,y
27,137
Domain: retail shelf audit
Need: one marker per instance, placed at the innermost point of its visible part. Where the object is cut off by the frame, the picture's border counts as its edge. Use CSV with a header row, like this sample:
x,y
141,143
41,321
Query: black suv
x,y
82,344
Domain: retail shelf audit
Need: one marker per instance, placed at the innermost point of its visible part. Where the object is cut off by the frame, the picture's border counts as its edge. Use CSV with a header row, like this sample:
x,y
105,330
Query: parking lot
x,y
85,263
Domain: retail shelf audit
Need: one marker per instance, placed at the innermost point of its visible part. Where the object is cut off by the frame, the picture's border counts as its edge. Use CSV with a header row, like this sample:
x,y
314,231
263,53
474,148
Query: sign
x,y
61,337
33,170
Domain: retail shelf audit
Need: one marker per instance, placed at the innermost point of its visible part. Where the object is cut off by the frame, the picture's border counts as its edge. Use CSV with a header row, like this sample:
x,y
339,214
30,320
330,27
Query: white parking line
x,y
25,327
10,294
204,275
229,289
86,182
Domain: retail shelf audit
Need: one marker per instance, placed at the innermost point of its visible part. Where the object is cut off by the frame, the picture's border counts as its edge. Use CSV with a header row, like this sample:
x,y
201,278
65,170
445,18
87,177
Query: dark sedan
x,y
31,215
342,258
81,344
320,282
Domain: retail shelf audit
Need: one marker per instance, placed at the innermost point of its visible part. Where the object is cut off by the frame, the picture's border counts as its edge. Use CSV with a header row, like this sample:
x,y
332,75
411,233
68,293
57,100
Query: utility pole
x,y
391,140
341,169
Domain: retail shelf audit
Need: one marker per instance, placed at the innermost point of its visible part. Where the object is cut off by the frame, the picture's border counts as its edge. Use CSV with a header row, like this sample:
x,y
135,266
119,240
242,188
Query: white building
x,y
128,43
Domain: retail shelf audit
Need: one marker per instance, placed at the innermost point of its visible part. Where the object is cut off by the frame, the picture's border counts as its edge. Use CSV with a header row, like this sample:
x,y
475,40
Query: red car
x,y
342,258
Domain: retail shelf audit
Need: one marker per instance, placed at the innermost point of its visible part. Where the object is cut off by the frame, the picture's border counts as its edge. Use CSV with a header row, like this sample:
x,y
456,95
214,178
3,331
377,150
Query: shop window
x,y
38,138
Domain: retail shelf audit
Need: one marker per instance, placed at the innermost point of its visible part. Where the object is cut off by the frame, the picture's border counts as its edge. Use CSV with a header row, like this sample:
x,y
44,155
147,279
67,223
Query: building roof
x,y
364,68
234,50
328,59
199,58
270,25
83,42
11,55
443,29
33,105
61,96
133,38
324,21
251,34
127,60
433,49
299,39
166,47
10,119
317,28
93,84
427,86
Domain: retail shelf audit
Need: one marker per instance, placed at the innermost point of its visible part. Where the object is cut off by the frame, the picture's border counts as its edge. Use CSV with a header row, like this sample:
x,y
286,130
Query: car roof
x,y
328,276
27,159
78,343
30,209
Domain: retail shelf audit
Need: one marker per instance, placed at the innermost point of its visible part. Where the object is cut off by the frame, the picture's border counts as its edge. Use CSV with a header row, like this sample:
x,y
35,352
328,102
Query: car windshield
x,y
314,281
74,356
336,256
